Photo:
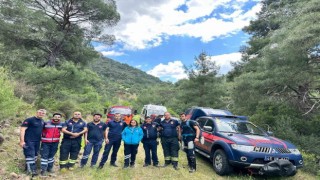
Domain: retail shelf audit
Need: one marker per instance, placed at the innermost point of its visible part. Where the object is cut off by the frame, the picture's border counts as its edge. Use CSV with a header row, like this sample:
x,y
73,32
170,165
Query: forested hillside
x,y
47,61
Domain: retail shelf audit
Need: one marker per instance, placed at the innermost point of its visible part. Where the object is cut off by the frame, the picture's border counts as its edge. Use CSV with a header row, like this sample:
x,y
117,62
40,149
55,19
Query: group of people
x,y
34,131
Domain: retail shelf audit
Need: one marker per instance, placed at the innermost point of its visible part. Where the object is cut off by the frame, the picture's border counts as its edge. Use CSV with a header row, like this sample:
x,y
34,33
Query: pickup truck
x,y
231,141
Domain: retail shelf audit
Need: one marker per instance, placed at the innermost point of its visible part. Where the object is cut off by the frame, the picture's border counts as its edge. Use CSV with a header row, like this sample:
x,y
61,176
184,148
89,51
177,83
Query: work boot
x,y
100,166
175,165
125,166
114,164
146,165
132,164
167,163
34,173
43,173
156,165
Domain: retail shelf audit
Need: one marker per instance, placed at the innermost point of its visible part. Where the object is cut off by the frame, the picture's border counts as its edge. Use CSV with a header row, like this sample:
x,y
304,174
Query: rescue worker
x,y
93,139
190,133
50,141
70,147
131,136
30,137
113,140
170,140
150,135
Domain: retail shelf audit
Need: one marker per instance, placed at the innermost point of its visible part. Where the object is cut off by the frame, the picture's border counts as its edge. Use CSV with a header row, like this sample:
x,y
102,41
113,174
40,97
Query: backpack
x,y
192,128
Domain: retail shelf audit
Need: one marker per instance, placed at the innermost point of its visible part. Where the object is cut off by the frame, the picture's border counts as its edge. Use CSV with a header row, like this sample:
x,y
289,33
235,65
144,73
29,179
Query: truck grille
x,y
282,150
262,149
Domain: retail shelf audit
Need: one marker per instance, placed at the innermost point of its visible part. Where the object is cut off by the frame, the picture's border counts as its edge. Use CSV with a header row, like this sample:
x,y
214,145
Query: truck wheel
x,y
220,163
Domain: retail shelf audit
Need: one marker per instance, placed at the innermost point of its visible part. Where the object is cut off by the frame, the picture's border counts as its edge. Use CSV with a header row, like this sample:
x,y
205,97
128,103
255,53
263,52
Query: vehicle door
x,y
201,121
208,136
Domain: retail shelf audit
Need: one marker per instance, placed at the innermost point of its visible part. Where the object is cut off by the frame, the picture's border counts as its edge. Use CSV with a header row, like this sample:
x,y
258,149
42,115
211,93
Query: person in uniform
x,y
113,140
30,137
70,147
94,139
150,135
190,134
50,141
170,140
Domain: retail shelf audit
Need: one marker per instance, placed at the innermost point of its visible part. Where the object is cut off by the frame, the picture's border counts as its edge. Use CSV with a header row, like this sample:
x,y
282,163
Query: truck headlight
x,y
242,147
295,151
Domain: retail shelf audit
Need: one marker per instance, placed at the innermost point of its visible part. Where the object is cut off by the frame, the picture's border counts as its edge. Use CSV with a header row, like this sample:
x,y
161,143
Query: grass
x,y
12,160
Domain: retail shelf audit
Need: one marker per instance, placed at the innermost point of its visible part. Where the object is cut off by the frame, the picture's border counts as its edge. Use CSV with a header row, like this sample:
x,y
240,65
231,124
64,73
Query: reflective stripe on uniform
x,y
167,158
44,161
54,139
127,156
63,162
71,161
85,157
174,159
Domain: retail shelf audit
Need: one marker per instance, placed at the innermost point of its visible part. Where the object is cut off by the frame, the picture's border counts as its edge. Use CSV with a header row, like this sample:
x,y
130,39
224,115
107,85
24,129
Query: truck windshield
x,y
120,111
156,111
241,127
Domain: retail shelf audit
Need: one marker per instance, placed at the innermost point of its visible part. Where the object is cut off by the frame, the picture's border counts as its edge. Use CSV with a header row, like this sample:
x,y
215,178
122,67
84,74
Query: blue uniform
x,y
95,136
169,141
70,147
149,141
114,136
32,139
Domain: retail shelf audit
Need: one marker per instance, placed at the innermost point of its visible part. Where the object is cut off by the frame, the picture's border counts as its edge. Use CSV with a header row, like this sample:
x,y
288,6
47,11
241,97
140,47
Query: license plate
x,y
271,158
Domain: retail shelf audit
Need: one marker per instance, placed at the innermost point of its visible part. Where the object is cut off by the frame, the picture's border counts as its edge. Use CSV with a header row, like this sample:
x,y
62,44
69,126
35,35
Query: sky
x,y
160,37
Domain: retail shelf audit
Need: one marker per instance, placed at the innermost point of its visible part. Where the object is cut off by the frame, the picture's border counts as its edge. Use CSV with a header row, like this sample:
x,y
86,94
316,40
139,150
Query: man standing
x,y
50,141
113,140
30,136
71,142
190,133
150,134
169,139
93,139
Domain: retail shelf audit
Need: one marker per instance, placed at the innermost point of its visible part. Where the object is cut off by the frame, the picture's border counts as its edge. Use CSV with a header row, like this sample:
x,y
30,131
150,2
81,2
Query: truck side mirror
x,y
207,128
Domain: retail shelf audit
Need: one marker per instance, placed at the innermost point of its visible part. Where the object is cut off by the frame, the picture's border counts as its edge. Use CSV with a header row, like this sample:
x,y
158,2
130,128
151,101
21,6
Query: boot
x,y
167,163
193,165
175,165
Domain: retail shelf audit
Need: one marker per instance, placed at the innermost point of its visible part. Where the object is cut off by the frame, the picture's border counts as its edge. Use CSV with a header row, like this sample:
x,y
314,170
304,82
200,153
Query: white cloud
x,y
224,61
173,70
111,53
147,23
138,66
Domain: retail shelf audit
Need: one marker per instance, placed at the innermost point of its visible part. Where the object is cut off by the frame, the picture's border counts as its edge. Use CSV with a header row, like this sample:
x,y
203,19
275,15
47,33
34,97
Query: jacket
x,y
149,131
132,135
51,132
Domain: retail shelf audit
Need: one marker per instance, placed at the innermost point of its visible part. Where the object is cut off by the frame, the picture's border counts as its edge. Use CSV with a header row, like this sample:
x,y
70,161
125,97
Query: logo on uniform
x,y
144,127
153,125
25,122
81,123
100,126
171,122
70,123
121,124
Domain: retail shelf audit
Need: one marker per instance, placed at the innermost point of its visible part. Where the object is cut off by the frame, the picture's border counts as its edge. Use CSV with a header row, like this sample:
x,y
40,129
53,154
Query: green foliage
x,y
9,104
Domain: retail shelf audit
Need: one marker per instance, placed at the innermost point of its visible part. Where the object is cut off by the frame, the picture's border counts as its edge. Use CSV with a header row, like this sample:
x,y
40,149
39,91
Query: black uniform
x,y
71,146
149,141
169,141
188,135
32,140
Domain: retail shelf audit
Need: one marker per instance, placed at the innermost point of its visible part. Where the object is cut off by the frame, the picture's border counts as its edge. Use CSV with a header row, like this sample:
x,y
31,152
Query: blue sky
x,y
160,36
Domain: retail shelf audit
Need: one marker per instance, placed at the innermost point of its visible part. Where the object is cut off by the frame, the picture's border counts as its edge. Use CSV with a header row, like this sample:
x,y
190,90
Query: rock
x,y
17,131
1,139
14,175
7,138
2,150
6,125
2,172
